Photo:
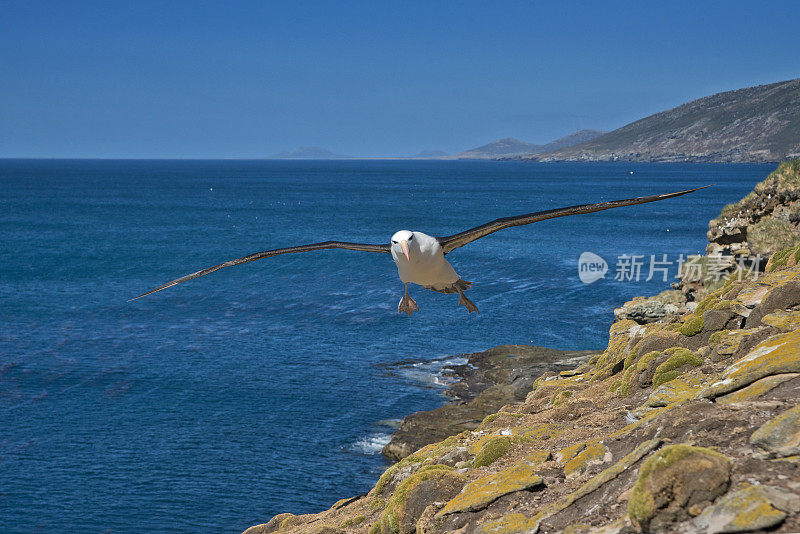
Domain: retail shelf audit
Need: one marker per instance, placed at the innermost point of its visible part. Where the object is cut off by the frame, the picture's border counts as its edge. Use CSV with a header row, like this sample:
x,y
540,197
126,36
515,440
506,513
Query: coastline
x,y
480,386
687,422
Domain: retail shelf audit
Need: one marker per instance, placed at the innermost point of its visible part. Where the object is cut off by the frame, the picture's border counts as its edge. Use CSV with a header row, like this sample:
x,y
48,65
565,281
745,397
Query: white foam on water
x,y
371,443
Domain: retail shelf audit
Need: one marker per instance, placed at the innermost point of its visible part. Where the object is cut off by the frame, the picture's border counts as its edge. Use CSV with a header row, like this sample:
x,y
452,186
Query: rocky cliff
x,y
766,220
759,123
687,424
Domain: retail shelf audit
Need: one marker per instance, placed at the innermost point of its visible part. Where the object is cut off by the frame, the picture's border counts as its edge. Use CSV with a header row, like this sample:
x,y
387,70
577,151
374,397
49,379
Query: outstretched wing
x,y
269,253
454,241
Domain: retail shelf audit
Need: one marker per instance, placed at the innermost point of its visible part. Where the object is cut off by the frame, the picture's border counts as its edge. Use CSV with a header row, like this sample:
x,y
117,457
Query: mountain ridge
x,y
752,124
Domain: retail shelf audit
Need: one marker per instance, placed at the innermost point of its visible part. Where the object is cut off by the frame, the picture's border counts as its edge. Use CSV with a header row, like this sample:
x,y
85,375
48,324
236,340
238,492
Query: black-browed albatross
x,y
420,257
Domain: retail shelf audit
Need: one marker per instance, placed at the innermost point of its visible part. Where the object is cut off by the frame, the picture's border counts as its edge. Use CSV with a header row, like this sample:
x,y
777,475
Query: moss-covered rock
x,y
741,511
430,483
273,525
397,473
672,480
779,436
353,521
491,450
756,389
776,355
592,453
782,320
508,524
673,391
679,359
692,326
481,492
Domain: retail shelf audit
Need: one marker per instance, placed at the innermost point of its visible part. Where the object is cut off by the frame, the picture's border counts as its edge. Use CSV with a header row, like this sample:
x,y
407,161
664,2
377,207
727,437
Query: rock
x,y
779,298
509,524
776,355
428,485
270,526
490,380
716,320
756,389
779,436
740,511
672,480
676,390
653,309
782,320
455,456
592,453
480,493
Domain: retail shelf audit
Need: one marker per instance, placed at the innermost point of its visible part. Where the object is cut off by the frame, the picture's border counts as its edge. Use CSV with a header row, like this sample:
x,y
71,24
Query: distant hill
x,y
755,124
429,154
581,136
510,147
499,149
311,152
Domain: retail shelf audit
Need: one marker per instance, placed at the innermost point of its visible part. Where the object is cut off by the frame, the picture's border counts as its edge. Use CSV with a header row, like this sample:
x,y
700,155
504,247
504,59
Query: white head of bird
x,y
402,245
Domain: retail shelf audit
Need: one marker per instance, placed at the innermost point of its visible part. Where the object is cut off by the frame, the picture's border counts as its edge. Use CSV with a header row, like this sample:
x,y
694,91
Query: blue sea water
x,y
264,388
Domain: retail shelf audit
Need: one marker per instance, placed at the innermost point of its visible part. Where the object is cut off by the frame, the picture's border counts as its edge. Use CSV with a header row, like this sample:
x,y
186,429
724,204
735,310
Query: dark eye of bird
x,y
393,241
410,237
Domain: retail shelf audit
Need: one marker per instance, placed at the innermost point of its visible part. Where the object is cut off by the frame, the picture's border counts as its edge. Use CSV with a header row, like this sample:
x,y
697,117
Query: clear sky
x,y
248,79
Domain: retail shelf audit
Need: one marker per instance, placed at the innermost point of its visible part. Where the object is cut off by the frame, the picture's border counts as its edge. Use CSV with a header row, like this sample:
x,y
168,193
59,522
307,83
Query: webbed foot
x,y
468,304
407,305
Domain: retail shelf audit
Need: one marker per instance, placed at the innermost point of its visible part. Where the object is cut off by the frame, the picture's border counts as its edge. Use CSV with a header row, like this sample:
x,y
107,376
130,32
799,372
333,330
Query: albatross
x,y
420,258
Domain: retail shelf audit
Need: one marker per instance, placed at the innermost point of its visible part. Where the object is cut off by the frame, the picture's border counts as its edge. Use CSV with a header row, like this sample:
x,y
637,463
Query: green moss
x,y
711,300
670,369
377,504
390,519
491,451
692,326
560,397
353,521
722,305
375,529
716,337
630,374
631,357
489,418
387,475
641,505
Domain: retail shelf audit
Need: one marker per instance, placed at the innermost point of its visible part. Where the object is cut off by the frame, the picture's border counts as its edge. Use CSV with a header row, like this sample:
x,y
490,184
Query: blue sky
x,y
248,79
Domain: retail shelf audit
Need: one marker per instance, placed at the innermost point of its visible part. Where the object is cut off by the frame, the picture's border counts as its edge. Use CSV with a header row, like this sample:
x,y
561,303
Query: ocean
x,y
269,387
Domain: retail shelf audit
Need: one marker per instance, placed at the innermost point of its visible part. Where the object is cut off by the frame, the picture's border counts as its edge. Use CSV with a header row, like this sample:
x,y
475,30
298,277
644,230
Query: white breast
x,y
427,267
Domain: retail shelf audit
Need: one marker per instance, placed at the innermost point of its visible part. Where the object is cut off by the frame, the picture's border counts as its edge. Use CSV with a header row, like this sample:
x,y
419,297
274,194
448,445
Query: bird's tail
x,y
460,285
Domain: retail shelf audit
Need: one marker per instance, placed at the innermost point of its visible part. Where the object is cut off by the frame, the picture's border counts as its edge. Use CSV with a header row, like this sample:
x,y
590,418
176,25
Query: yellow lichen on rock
x,y
756,389
776,355
677,390
741,511
481,492
783,320
591,453
779,436
509,524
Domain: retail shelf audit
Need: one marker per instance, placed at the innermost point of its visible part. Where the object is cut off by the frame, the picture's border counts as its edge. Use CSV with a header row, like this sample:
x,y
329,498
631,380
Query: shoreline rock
x,y
488,381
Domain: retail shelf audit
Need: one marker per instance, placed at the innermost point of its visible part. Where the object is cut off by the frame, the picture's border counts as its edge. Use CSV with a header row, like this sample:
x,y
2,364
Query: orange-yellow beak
x,y
404,246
